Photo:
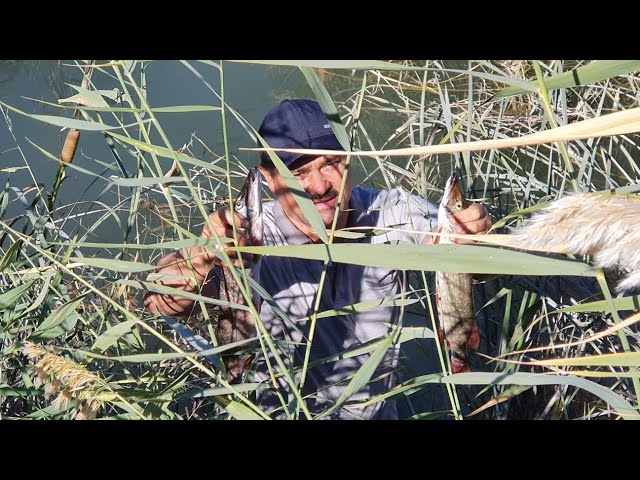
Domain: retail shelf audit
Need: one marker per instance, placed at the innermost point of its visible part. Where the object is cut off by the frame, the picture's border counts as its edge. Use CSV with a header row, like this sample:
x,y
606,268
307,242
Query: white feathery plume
x,y
604,226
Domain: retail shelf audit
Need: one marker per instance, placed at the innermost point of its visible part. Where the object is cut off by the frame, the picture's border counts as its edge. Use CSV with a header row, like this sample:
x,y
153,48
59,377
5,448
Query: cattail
x,y
601,225
67,381
70,145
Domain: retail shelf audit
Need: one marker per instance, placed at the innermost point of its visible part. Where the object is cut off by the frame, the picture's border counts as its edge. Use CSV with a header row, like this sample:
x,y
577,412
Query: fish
x,y
234,325
454,291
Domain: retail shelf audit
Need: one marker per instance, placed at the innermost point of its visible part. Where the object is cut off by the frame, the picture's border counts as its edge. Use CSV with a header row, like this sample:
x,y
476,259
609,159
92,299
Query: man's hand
x,y
473,220
173,270
221,221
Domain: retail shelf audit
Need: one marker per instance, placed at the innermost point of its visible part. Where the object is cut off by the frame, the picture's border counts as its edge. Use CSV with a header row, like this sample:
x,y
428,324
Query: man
x,y
294,282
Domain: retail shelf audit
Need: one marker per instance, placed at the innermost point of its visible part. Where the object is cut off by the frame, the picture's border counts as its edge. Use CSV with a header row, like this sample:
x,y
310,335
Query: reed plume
x,y
67,381
601,225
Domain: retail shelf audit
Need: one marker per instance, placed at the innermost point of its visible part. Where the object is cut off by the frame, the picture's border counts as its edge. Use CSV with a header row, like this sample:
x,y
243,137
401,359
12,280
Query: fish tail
x,y
460,363
237,365
458,366
234,366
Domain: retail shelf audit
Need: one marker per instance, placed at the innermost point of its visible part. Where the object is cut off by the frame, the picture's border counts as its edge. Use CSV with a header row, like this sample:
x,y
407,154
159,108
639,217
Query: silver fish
x,y
233,324
454,291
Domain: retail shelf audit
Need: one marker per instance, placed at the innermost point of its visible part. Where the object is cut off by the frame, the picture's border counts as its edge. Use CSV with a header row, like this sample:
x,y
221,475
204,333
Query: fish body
x,y
235,325
454,291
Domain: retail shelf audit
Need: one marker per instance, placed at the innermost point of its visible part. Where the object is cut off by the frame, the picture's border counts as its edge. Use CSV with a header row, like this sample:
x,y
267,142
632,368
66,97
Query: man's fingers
x,y
148,303
222,222
228,232
246,242
242,242
156,304
473,212
225,219
473,220
472,228
167,259
247,262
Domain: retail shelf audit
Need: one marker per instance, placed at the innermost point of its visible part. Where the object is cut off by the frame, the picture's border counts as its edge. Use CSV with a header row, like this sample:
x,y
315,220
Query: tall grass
x,y
76,342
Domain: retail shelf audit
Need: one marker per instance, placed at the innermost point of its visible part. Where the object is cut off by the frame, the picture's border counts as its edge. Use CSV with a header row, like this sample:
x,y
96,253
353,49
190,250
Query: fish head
x,y
249,204
453,200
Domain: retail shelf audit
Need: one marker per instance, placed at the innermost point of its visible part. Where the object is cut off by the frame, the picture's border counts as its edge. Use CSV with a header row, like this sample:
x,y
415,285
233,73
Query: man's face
x,y
321,178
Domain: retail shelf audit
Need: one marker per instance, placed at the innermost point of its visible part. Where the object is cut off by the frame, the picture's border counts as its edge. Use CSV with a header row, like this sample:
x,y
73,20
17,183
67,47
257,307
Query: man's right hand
x,y
221,220
173,270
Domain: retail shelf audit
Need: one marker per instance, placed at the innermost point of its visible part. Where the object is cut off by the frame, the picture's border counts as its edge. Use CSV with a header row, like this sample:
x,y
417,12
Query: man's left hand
x,y
473,220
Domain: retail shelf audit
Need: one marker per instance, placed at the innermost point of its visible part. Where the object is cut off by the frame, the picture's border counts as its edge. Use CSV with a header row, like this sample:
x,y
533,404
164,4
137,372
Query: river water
x,y
250,89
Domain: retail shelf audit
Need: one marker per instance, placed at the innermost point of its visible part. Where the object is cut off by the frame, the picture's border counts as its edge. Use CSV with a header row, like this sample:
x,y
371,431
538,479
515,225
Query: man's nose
x,y
317,183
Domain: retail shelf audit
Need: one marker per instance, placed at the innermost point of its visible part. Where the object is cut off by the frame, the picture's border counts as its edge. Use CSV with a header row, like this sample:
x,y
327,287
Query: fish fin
x,y
247,363
474,339
233,368
237,366
460,367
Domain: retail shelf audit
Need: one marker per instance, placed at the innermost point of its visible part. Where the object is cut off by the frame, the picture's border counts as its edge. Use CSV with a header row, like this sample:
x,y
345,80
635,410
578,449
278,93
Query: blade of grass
x,y
361,378
446,258
593,72
617,123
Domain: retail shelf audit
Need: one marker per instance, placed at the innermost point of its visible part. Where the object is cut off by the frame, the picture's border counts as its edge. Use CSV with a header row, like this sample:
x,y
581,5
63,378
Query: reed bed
x,y
557,342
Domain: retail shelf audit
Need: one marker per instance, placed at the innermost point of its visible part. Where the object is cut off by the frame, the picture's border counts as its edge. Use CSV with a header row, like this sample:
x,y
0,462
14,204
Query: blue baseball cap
x,y
298,123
